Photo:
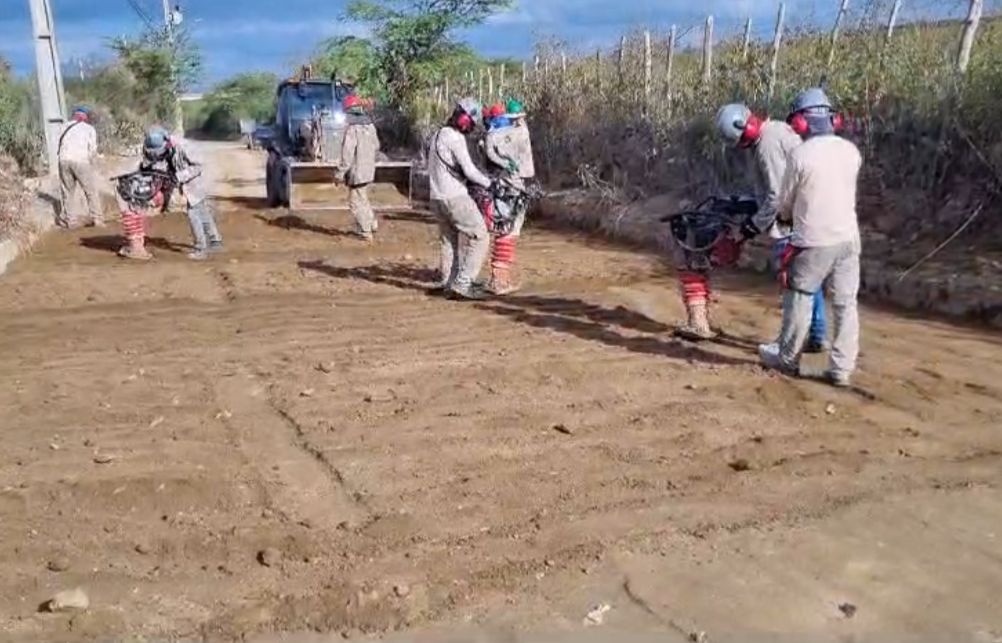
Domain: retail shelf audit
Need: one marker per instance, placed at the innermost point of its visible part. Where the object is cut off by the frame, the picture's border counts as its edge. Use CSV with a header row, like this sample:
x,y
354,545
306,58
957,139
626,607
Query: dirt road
x,y
295,438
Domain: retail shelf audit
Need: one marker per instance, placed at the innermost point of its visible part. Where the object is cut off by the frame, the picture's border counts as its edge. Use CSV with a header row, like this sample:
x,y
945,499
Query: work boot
x,y
697,328
470,293
138,253
216,247
769,356
817,346
198,254
837,379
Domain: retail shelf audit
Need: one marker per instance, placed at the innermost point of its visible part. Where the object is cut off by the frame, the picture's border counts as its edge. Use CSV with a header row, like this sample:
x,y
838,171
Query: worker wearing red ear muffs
x,y
772,142
819,196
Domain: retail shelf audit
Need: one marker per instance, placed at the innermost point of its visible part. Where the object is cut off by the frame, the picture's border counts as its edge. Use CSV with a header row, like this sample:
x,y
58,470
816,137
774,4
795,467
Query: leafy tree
x,y
163,68
250,95
352,57
20,133
413,38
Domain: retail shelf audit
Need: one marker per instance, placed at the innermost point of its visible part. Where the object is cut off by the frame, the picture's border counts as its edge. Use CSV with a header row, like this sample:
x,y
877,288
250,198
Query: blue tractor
x,y
305,143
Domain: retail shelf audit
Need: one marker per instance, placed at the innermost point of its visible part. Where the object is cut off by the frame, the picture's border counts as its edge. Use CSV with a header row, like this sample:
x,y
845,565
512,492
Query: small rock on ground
x,y
68,600
269,557
59,564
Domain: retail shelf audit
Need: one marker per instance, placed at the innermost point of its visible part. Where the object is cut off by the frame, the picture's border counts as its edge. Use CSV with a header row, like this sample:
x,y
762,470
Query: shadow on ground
x,y
244,202
571,316
295,222
112,243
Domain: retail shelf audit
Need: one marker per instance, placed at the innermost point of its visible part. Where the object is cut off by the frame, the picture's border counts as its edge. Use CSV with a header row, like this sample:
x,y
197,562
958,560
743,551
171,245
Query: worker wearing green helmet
x,y
510,150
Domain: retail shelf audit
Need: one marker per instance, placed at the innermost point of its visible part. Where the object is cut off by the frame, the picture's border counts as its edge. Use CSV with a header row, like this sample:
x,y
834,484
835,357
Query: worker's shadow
x,y
113,243
398,275
295,222
571,316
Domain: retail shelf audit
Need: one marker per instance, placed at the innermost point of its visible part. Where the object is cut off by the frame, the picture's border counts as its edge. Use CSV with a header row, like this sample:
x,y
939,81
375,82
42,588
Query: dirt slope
x,y
415,463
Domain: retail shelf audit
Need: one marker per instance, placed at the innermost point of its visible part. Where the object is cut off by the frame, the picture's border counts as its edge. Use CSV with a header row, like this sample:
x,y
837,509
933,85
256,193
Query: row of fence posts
x,y
489,86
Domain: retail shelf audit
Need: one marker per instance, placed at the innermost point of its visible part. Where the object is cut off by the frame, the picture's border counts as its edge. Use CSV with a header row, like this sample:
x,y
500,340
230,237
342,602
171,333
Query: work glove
x,y
749,230
725,252
512,167
785,263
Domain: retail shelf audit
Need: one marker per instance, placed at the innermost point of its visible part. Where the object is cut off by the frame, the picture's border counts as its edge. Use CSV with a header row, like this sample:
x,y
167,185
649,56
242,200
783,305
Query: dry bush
x,y
15,202
929,135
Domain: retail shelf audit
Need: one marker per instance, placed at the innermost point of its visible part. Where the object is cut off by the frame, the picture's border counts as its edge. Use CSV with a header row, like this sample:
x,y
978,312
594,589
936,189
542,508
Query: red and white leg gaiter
x,y
134,228
695,287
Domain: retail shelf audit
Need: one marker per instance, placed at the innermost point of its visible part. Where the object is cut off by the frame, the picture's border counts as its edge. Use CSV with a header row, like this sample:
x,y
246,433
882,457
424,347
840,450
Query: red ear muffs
x,y
464,122
799,124
752,131
838,122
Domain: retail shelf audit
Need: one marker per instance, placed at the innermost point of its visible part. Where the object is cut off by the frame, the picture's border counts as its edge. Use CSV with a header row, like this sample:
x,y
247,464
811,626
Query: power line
x,y
145,17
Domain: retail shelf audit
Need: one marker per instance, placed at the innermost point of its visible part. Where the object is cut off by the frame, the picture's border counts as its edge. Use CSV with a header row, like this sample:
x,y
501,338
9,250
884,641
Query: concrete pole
x,y
178,125
50,79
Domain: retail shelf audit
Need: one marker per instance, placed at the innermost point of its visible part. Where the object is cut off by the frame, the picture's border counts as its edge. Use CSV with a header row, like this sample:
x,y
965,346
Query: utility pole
x,y
173,17
50,79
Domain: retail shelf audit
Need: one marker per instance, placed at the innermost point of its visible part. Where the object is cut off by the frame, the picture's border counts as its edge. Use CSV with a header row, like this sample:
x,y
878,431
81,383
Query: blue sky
x,y
275,35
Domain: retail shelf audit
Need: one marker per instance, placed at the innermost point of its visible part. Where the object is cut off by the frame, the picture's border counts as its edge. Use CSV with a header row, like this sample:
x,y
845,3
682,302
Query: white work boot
x,y
697,328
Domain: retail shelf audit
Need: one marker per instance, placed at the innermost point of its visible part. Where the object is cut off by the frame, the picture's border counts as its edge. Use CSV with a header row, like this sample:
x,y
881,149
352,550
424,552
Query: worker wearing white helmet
x,y
772,142
819,197
464,236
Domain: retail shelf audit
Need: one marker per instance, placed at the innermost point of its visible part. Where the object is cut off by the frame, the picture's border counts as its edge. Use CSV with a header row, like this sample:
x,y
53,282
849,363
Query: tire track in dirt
x,y
302,484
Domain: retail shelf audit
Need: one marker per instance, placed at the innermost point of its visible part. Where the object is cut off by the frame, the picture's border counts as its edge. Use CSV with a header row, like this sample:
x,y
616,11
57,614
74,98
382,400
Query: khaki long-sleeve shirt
x,y
78,143
511,144
450,166
776,143
358,154
819,192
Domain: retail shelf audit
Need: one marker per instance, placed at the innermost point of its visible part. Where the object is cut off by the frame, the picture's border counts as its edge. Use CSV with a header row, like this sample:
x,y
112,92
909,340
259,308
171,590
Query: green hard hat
x,y
514,106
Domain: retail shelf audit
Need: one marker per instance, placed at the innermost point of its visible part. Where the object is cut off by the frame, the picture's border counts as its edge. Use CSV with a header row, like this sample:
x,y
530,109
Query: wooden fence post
x,y
447,98
842,9
777,41
892,20
746,44
622,61
708,50
648,68
598,71
672,37
490,84
501,80
480,85
970,30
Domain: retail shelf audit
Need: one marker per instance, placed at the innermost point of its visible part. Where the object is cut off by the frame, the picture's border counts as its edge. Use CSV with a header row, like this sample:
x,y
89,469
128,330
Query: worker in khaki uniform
x,y
464,236
819,196
772,142
77,150
168,154
357,166
509,153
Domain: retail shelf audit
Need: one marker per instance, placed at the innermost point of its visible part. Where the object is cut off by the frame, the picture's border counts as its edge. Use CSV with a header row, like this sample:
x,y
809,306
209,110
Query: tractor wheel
x,y
271,183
